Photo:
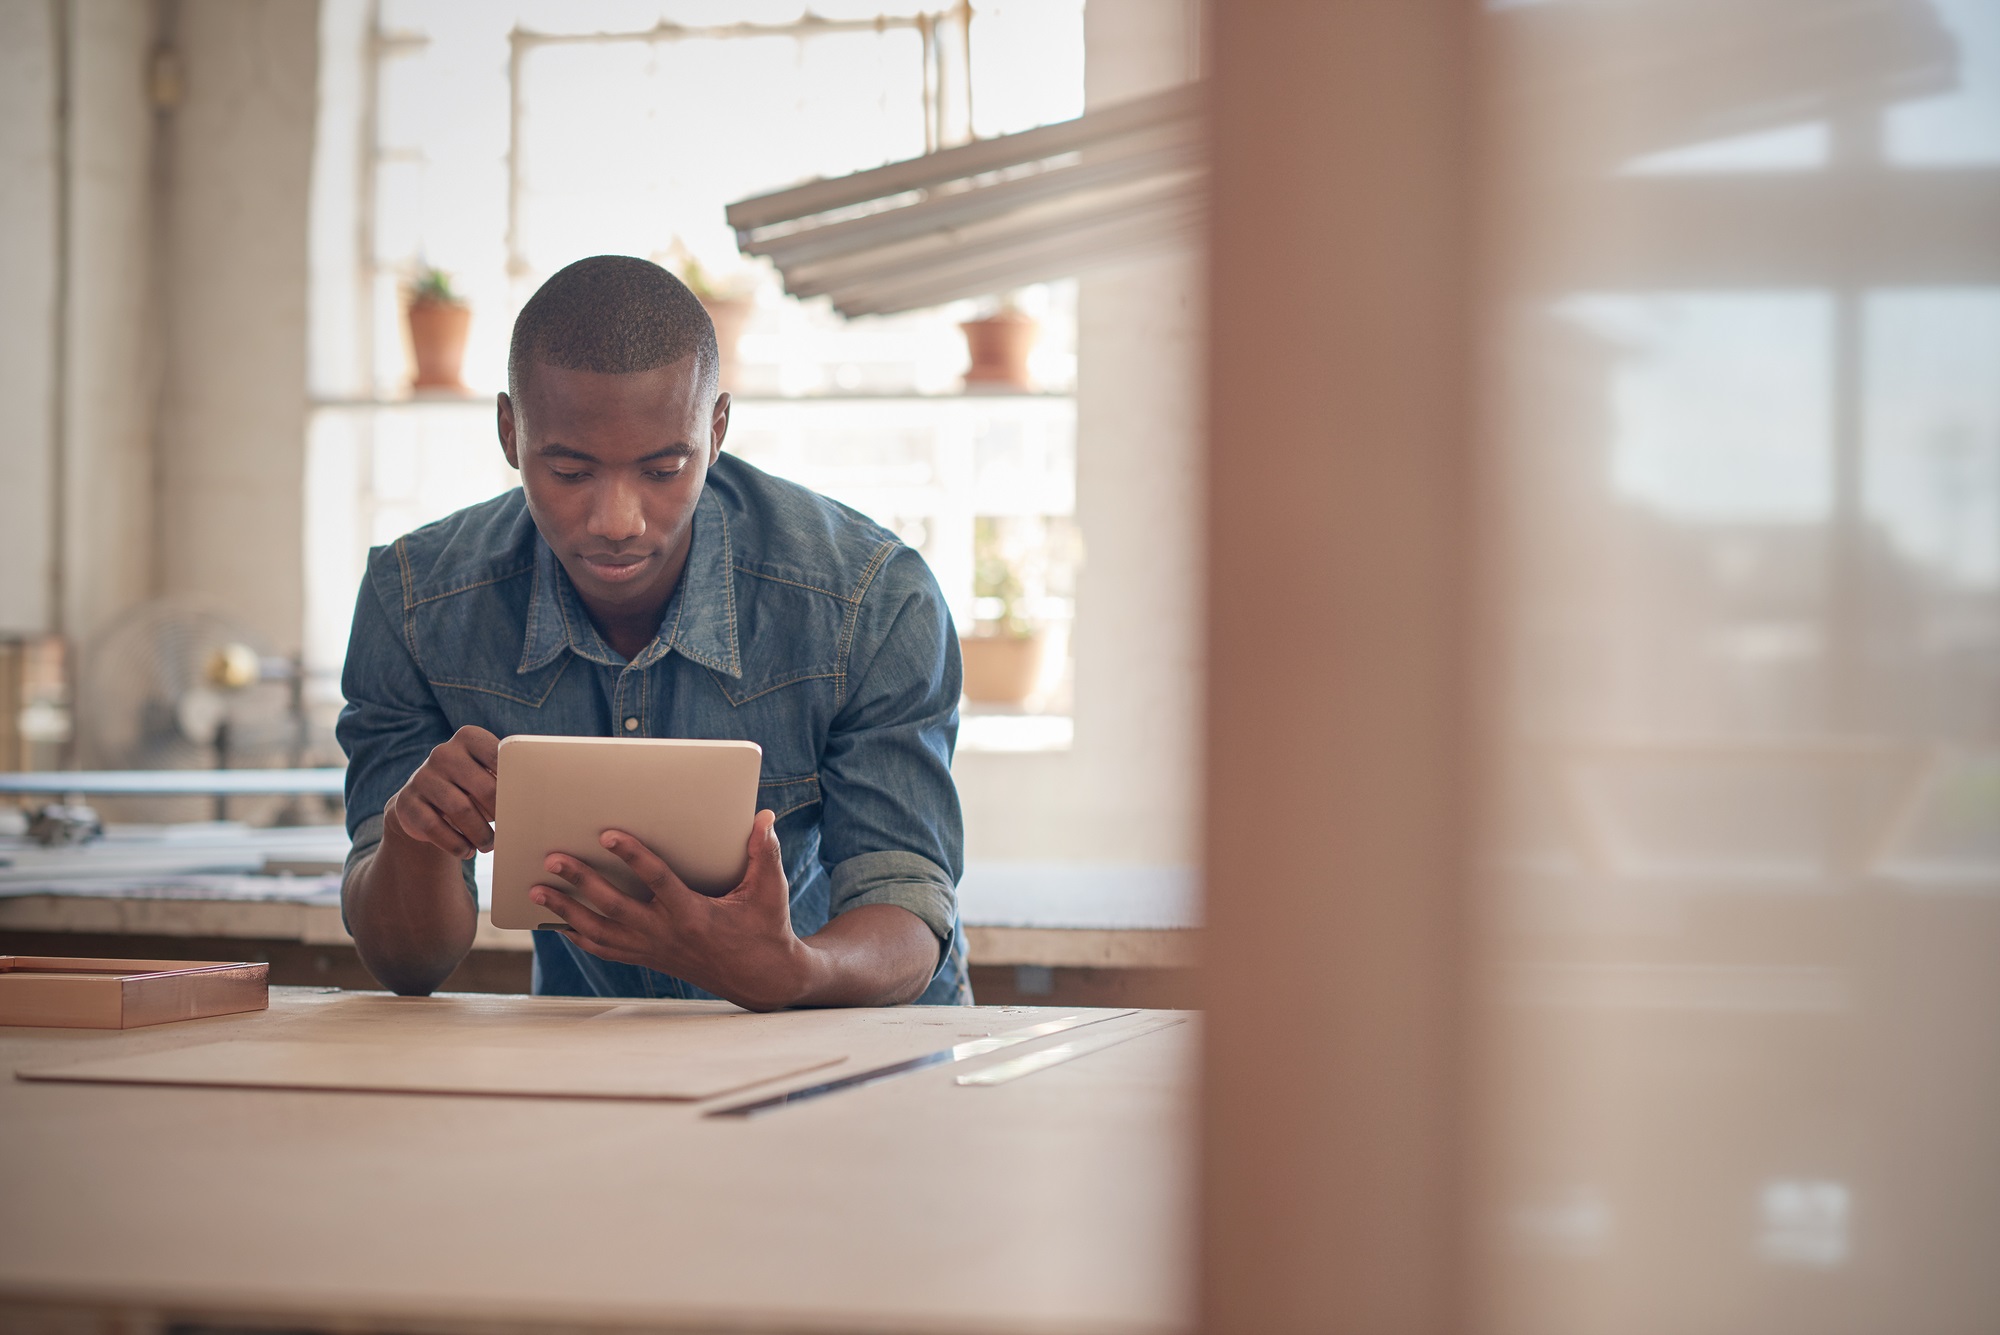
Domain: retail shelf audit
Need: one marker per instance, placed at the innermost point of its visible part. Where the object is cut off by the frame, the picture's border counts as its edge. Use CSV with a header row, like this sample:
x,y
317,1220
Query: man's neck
x,y
628,636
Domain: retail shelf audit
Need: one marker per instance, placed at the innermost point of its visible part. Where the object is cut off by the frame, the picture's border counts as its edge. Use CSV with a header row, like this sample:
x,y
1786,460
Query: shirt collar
x,y
700,618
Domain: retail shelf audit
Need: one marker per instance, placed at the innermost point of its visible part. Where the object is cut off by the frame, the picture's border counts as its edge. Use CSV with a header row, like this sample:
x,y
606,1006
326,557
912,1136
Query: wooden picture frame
x,y
58,992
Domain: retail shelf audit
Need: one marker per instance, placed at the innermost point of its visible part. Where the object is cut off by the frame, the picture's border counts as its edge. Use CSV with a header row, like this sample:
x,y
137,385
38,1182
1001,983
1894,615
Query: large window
x,y
500,141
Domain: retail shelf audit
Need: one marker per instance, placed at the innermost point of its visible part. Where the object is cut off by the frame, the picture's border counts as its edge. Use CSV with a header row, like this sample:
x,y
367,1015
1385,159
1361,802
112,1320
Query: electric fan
x,y
174,685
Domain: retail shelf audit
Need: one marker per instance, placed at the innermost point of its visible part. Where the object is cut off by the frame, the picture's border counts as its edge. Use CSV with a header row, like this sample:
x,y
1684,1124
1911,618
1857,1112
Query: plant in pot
x,y
1004,656
728,304
999,345
438,319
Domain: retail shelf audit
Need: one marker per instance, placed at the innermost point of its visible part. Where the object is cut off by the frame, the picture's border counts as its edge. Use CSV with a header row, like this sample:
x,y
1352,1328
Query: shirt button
x,y
631,725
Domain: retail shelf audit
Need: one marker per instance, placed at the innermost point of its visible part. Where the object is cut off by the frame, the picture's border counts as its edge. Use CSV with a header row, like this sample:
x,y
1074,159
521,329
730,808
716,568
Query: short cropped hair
x,y
615,314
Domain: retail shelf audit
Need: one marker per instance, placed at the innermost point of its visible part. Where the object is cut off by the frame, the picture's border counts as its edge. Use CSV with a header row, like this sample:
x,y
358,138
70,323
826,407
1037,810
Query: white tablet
x,y
691,802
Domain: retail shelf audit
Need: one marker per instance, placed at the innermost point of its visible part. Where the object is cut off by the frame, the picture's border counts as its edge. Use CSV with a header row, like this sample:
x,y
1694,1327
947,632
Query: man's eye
x,y
569,477
663,474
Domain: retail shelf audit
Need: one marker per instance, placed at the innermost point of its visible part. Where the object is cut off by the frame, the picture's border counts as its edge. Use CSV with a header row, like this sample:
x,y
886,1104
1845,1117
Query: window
x,y
499,142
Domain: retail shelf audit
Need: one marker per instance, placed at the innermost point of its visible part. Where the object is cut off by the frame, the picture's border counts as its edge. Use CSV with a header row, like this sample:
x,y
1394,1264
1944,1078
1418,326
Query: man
x,y
640,583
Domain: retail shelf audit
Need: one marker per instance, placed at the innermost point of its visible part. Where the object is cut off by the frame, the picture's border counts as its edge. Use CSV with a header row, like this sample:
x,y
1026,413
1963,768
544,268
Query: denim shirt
x,y
798,624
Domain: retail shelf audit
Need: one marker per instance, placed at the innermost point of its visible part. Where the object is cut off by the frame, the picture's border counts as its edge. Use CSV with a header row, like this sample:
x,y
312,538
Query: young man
x,y
639,583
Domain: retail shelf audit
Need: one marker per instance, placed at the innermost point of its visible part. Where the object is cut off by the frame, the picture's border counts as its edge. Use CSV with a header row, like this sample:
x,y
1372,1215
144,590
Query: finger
x,y
767,859
645,864
603,898
586,927
612,954
422,822
452,764
481,745
605,951
458,809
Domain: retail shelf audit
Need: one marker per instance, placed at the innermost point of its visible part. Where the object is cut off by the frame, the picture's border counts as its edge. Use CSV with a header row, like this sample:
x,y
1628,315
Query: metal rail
x,y
328,782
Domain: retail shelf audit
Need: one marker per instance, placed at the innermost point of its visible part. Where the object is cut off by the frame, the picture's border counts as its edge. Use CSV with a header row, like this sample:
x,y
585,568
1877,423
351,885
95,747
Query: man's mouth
x,y
613,568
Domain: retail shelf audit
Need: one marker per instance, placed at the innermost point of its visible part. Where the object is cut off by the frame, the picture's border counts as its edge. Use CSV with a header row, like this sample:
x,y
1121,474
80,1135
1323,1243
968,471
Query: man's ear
x,y
505,407
718,427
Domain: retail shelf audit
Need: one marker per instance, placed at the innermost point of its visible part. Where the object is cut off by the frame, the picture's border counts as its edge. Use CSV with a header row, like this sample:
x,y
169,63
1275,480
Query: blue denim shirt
x,y
799,625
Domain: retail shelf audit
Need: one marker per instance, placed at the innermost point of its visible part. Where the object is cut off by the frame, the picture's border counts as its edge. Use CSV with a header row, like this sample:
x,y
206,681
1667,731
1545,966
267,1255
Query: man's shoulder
x,y
789,533
481,544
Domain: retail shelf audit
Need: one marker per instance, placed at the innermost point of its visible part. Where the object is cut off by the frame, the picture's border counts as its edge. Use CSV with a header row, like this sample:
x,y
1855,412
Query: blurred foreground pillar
x,y
1603,810
1336,481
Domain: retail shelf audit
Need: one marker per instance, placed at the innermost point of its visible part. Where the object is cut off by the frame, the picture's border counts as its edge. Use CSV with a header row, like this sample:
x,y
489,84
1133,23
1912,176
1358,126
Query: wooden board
x,y
387,1068
543,1048
49,991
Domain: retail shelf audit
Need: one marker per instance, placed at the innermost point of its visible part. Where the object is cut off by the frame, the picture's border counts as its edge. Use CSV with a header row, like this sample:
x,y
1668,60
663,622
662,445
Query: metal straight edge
x,y
1042,1059
958,1052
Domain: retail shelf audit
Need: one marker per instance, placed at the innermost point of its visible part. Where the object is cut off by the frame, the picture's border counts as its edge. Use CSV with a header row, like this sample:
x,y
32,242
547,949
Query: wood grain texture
x,y
1058,1204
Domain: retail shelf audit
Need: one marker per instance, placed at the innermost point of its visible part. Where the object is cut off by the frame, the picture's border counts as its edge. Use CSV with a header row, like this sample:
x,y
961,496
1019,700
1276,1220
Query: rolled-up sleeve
x,y
891,831
391,719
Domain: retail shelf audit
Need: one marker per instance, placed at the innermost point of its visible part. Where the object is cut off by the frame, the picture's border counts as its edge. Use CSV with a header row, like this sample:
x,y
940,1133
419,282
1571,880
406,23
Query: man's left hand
x,y
739,945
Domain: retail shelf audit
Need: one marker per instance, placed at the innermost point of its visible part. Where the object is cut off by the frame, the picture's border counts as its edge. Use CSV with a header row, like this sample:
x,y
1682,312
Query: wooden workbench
x,y
1056,1203
1038,934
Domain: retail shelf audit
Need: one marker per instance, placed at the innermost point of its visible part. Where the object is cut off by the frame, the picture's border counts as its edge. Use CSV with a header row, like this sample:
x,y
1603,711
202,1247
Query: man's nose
x,y
618,516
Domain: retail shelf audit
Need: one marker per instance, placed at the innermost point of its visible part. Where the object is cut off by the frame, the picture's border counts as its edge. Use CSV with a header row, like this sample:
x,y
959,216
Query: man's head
x,y
613,417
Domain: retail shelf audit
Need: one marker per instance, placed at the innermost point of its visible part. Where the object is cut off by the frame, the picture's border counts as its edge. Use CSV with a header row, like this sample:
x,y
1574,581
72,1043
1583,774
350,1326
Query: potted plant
x,y
1004,656
999,345
728,306
438,319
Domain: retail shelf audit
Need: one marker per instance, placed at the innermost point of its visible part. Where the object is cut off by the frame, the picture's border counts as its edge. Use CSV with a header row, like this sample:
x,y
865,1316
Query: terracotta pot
x,y
729,315
1002,669
1000,345
437,337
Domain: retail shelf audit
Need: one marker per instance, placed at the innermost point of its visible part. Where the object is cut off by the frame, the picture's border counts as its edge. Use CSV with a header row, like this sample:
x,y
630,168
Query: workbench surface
x,y
1055,1202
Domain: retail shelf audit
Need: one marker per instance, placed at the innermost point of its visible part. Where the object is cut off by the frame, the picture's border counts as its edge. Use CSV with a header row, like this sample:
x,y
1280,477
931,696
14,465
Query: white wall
x,y
180,441
27,309
185,390
233,419
102,442
1126,791
114,354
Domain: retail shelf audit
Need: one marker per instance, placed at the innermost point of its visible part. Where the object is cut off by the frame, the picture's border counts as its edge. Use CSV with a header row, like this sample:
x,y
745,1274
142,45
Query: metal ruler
x,y
1041,1060
958,1052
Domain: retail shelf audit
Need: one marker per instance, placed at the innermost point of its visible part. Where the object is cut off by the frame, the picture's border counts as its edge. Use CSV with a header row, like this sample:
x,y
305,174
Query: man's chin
x,y
623,577
631,588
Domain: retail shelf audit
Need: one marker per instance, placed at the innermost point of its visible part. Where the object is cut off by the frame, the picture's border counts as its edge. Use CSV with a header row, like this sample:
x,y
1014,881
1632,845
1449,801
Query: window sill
x,y
1015,733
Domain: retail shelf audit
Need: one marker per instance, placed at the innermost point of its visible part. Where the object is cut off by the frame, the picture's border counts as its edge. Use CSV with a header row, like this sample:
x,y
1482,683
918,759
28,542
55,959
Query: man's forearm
x,y
874,955
409,912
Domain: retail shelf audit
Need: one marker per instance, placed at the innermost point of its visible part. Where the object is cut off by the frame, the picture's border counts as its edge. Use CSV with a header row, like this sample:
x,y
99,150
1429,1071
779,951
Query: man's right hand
x,y
406,902
449,802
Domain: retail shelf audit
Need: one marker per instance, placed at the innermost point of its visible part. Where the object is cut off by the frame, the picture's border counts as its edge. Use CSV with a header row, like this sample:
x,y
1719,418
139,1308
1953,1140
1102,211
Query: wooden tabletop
x,y
1059,1202
140,913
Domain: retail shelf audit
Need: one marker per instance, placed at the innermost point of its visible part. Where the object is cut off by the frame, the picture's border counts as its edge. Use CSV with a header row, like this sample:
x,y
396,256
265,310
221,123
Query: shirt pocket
x,y
785,796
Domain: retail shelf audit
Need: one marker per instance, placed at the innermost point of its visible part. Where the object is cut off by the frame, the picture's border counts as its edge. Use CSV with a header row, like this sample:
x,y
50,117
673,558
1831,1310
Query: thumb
x,y
766,874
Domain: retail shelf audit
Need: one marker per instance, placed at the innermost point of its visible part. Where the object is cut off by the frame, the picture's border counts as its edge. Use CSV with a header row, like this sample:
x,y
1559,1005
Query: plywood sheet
x,y
542,1070
546,1048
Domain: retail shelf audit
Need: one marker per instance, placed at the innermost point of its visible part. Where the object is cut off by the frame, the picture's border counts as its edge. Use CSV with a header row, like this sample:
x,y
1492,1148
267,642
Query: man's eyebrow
x,y
559,451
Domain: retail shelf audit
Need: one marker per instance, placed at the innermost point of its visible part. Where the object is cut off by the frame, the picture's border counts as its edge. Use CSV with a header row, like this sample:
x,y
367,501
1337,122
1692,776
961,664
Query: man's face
x,y
612,466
